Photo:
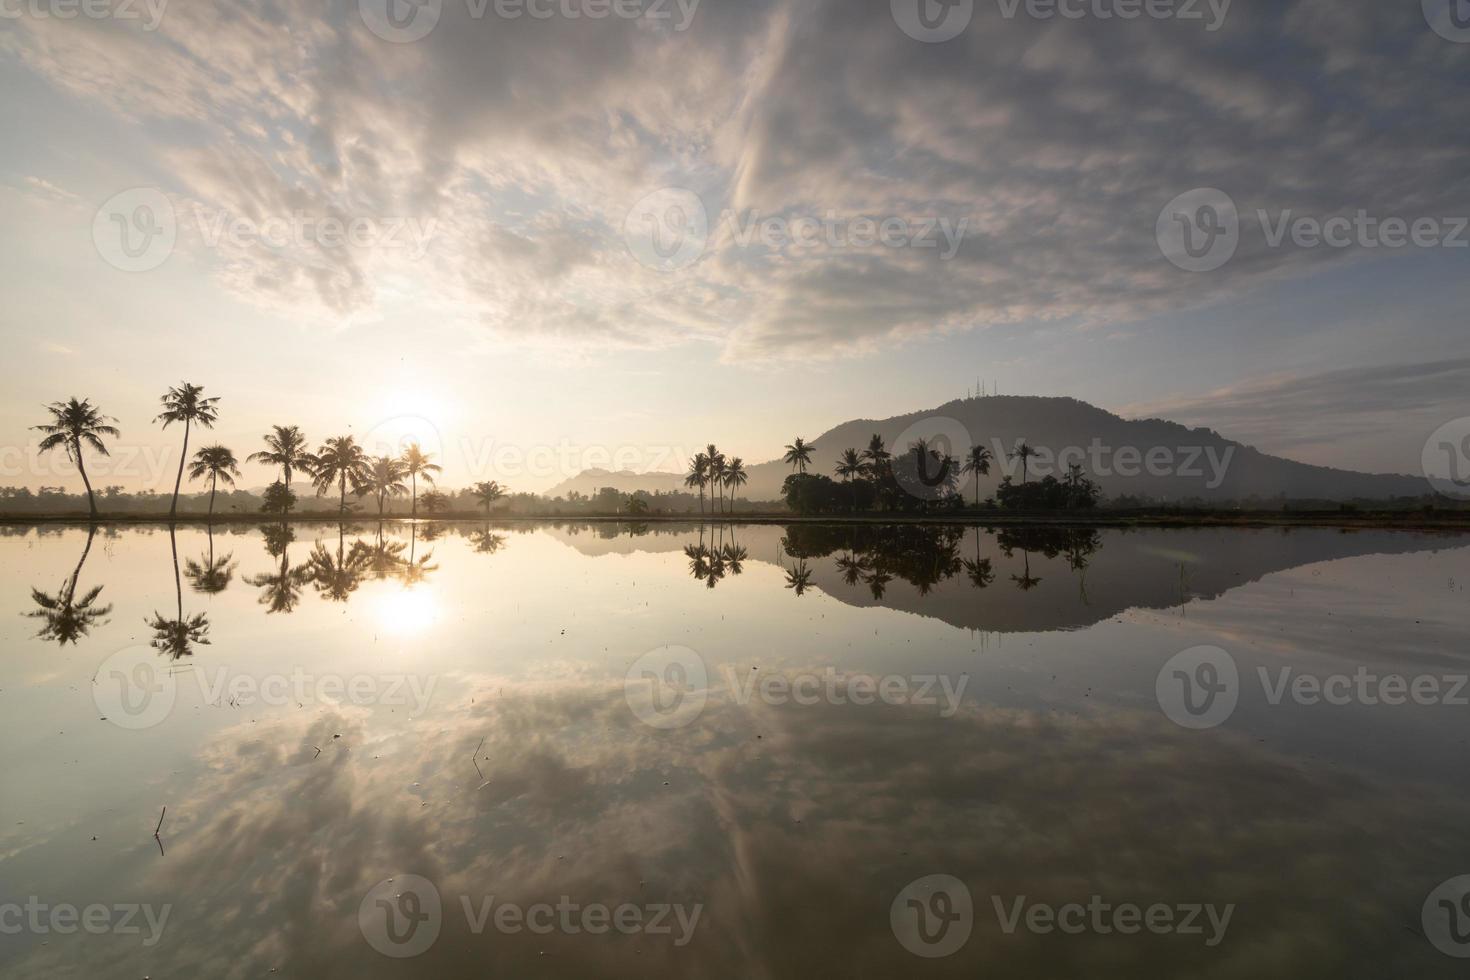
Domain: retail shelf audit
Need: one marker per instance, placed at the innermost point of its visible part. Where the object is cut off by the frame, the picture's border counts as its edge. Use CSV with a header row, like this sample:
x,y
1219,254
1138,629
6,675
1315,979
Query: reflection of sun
x,y
408,611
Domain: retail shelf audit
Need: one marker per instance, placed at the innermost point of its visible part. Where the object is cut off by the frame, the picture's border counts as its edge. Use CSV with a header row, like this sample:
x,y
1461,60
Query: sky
x,y
544,235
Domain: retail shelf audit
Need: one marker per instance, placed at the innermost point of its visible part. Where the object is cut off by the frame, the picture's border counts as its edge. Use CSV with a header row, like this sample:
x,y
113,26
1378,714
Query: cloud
x,y
526,142
1296,412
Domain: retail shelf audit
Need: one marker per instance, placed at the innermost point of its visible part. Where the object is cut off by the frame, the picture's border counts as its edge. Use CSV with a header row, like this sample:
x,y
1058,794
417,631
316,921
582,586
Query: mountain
x,y
1140,457
588,482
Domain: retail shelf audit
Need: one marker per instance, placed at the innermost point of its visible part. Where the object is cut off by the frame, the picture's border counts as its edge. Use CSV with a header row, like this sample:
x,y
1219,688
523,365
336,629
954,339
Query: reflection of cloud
x,y
794,842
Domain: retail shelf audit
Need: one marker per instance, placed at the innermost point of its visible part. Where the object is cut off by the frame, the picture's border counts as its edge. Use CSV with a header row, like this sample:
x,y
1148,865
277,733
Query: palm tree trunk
x,y
415,478
82,468
977,488
178,480
213,480
178,585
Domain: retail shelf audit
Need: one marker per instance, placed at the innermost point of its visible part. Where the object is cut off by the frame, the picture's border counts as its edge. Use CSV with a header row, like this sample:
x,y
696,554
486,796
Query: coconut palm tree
x,y
716,471
698,476
186,404
977,461
876,455
416,461
340,461
799,454
735,478
487,493
850,467
219,464
384,479
73,423
287,449
1023,453
67,617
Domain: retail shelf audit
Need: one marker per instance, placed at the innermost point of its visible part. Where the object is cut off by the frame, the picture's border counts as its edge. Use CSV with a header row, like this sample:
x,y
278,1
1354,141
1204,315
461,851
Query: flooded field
x,y
623,750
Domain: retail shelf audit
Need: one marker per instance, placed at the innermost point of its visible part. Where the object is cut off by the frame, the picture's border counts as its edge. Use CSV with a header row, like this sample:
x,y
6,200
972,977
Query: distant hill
x,y
1141,457
588,482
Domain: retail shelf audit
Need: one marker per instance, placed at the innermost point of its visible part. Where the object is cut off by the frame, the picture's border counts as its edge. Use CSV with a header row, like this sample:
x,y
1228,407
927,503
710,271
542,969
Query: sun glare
x,y
406,612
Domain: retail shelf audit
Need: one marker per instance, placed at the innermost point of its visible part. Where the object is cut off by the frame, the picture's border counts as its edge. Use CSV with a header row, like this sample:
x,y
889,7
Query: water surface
x,y
324,708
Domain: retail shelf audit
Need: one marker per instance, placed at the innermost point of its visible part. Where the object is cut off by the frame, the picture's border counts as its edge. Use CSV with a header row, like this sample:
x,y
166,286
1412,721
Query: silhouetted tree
x,y
340,462
416,461
286,448
219,464
799,455
186,404
73,423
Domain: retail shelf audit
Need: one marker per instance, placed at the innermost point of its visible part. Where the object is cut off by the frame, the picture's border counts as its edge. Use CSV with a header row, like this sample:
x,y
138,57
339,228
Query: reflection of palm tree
x,y
415,570
799,577
698,556
852,569
799,454
212,576
734,557
980,571
486,542
220,464
68,618
73,423
877,583
176,637
384,557
340,461
185,404
1024,581
416,461
281,589
336,578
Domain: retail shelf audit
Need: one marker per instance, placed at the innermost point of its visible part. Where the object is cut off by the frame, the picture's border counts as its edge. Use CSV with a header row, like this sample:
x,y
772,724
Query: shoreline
x,y
1456,521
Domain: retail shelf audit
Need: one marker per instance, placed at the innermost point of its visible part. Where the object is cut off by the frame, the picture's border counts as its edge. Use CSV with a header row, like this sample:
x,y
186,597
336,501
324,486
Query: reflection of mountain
x,y
1029,579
